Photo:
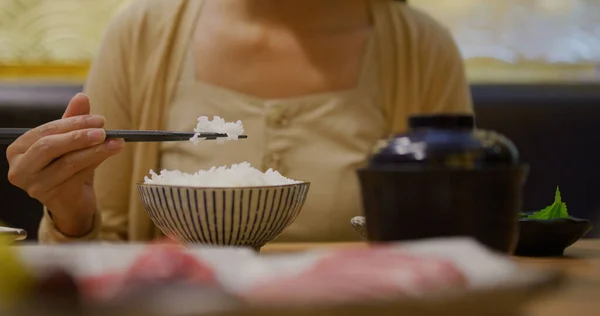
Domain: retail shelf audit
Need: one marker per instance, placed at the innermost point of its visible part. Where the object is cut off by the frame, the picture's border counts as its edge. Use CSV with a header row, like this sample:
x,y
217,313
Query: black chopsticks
x,y
9,135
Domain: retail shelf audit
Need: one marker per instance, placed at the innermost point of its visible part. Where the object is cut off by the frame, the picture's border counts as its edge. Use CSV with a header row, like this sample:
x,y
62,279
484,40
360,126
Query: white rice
x,y
238,175
217,125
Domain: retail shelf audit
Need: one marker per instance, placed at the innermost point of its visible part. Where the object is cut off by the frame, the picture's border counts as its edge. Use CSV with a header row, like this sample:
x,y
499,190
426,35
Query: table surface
x,y
579,296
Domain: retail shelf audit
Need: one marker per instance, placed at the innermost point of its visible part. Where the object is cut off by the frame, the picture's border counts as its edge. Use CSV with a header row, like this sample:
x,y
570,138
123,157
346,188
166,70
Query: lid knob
x,y
445,121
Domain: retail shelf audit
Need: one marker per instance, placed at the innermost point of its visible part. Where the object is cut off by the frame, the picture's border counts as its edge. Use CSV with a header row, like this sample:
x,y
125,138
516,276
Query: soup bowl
x,y
223,216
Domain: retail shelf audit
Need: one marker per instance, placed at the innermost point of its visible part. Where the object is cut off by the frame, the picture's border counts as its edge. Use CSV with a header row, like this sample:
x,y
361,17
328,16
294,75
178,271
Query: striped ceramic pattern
x,y
223,216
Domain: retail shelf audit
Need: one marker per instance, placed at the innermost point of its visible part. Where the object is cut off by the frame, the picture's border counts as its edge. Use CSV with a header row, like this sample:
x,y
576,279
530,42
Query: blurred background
x,y
503,41
534,68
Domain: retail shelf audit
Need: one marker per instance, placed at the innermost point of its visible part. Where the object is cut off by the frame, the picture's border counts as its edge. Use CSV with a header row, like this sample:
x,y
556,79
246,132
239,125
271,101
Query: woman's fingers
x,y
49,148
69,165
76,117
23,143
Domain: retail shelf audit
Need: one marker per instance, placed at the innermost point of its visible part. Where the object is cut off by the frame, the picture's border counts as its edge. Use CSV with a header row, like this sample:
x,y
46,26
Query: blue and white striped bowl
x,y
248,216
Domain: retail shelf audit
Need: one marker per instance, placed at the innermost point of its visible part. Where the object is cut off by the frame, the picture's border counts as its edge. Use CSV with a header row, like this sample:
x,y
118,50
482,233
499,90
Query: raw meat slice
x,y
349,275
101,287
163,263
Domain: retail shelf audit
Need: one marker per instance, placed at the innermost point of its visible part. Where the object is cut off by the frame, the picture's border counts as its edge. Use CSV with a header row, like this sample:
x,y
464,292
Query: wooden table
x,y
579,297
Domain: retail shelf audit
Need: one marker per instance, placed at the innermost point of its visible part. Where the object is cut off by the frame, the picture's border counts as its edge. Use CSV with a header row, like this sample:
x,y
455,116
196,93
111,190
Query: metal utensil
x,y
16,234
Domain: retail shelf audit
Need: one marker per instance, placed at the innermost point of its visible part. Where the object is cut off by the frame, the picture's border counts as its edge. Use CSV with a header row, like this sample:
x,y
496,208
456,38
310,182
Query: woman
x,y
316,83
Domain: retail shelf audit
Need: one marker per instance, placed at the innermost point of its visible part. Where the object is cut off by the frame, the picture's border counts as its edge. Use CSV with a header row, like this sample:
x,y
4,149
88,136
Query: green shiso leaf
x,y
558,209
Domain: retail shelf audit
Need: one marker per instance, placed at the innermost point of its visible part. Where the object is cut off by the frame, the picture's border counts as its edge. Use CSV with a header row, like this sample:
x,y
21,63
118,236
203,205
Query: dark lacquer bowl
x,y
441,178
546,238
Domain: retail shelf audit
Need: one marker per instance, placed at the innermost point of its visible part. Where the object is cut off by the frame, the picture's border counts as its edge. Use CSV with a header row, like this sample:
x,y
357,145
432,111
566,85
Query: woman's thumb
x,y
79,105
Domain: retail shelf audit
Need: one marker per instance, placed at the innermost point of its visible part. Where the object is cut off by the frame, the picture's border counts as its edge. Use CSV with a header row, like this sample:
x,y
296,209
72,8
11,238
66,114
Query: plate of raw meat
x,y
430,277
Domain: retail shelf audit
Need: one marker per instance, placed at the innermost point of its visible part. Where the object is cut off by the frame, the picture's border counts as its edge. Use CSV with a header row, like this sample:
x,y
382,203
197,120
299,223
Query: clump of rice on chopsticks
x,y
217,125
238,175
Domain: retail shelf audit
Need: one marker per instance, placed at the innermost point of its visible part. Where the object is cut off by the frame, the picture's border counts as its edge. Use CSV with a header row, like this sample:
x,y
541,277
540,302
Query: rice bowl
x,y
223,206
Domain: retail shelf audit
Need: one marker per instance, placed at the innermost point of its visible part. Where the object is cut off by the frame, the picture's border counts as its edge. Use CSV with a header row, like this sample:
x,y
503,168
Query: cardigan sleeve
x,y
444,84
108,87
421,70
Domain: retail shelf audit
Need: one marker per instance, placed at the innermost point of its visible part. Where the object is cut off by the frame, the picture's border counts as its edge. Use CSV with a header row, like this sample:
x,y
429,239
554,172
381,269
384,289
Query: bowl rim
x,y
555,220
298,183
570,219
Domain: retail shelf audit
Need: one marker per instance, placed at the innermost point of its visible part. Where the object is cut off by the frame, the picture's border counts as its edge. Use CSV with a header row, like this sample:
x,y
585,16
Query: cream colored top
x,y
143,79
319,138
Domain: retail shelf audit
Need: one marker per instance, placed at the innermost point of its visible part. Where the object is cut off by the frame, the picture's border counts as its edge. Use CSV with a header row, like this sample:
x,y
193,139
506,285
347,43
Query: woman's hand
x,y
55,164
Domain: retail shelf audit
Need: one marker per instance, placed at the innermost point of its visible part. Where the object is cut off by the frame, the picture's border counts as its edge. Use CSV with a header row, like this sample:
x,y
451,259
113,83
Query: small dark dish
x,y
547,238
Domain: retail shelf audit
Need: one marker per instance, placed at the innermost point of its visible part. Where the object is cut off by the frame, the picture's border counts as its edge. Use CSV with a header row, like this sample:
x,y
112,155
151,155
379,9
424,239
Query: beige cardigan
x,y
137,69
